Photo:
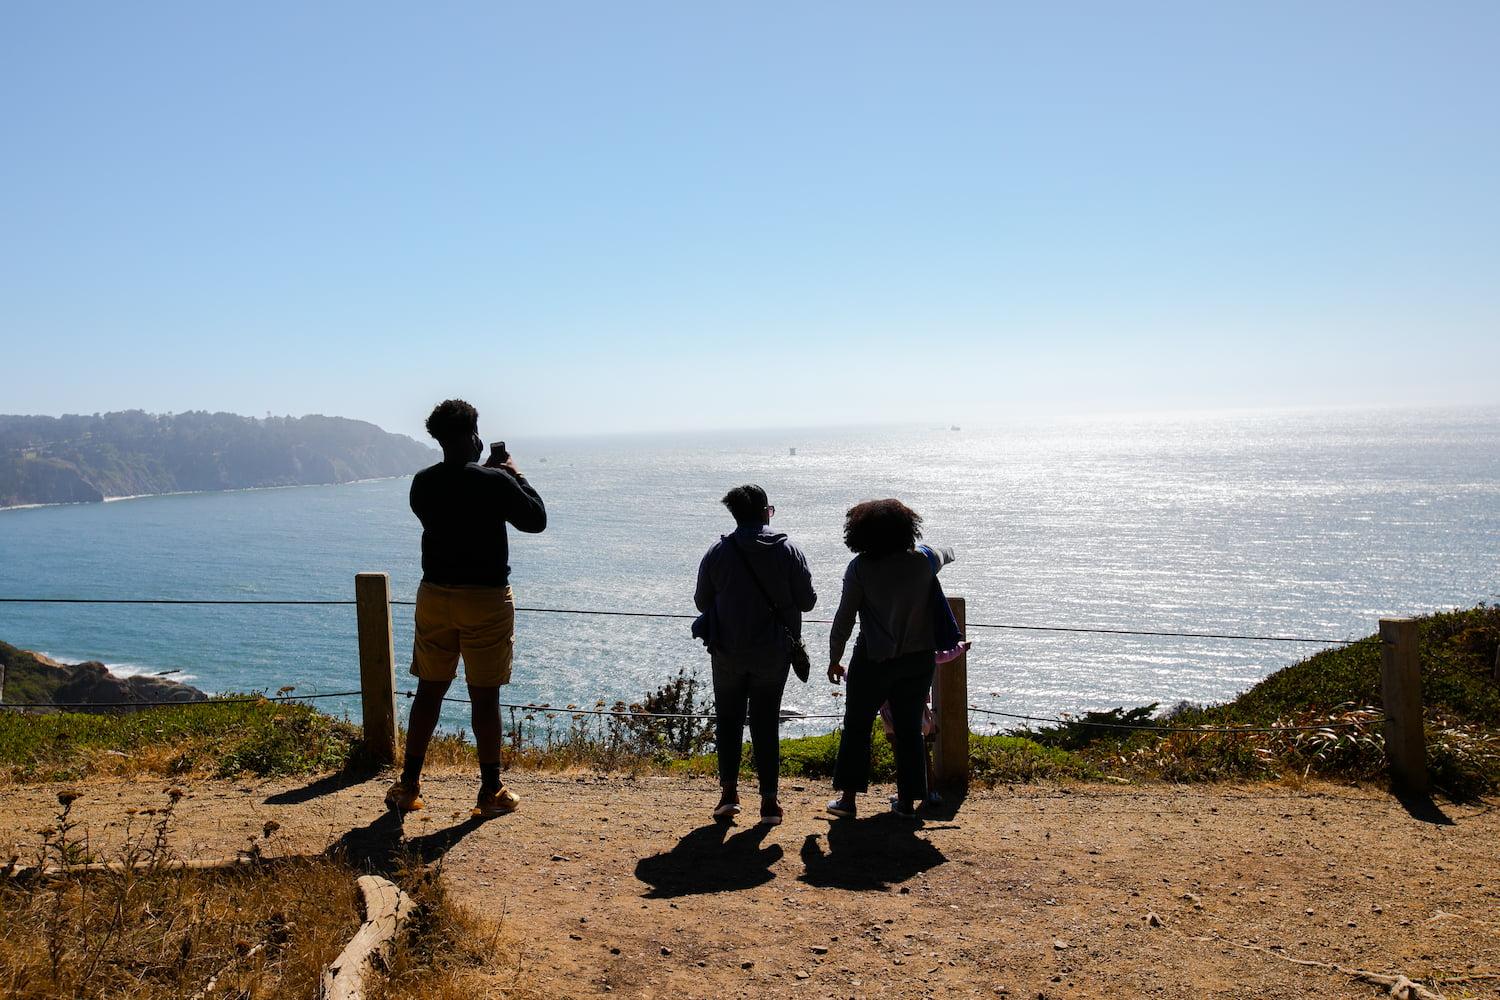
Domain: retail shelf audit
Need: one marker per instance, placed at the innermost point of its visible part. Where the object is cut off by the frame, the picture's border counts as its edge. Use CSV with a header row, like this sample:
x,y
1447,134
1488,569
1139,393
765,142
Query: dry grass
x,y
152,931
148,929
601,736
569,738
453,952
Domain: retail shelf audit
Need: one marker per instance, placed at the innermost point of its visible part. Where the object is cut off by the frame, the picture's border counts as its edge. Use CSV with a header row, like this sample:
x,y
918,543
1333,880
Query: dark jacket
x,y
463,508
892,596
742,621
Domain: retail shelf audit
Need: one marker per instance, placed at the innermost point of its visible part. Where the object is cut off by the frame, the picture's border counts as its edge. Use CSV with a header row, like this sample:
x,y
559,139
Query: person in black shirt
x,y
465,606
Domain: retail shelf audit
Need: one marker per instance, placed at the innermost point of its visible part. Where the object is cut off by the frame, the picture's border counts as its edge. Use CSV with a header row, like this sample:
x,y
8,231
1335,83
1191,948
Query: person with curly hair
x,y
888,587
465,607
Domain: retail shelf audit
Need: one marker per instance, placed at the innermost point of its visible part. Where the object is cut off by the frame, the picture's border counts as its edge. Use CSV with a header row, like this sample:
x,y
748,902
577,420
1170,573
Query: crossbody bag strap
x,y
745,561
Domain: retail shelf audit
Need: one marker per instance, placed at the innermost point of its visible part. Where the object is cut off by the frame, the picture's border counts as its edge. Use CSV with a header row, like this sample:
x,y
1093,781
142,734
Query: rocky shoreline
x,y
34,679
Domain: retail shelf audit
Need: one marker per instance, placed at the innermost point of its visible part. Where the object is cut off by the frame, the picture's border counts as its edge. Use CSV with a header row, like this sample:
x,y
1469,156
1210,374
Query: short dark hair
x,y
747,503
453,421
880,527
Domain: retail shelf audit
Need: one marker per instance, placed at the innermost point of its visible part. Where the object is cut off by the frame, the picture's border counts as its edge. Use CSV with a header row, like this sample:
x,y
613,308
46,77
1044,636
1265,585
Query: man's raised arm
x,y
520,503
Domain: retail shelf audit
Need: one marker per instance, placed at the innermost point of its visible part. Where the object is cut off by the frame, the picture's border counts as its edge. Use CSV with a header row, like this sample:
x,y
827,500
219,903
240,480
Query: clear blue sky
x,y
657,216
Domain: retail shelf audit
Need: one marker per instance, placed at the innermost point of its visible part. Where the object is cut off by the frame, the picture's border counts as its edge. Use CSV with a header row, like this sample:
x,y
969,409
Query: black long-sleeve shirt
x,y
892,595
463,508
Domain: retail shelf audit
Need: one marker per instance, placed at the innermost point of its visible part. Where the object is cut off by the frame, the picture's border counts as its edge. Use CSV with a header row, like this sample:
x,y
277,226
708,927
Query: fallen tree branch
x,y
1395,985
387,909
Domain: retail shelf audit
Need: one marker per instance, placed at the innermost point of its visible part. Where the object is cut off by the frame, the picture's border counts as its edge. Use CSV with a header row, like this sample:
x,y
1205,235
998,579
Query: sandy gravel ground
x,y
623,887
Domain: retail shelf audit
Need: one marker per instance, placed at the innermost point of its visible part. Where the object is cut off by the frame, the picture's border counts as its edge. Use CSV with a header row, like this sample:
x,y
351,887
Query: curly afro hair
x,y
880,527
453,421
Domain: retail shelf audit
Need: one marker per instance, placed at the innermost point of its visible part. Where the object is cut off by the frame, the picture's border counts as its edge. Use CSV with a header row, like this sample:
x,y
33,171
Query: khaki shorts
x,y
477,623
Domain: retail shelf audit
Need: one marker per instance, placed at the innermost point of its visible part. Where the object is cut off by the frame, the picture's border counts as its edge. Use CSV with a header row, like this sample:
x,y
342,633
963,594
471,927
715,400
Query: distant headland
x,y
87,459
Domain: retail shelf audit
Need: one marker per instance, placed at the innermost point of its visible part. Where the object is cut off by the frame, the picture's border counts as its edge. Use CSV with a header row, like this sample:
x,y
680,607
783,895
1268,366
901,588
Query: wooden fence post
x,y
377,664
1401,690
950,704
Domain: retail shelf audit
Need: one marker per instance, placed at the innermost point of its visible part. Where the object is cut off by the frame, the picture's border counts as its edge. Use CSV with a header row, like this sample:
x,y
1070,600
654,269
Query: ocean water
x,y
1287,523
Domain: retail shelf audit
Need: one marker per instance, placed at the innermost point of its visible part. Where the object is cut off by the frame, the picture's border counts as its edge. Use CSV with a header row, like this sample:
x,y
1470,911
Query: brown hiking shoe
x,y
496,803
403,797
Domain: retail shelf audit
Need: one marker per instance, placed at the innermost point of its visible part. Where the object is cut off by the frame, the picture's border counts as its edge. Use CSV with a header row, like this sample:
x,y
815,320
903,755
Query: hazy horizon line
x,y
981,424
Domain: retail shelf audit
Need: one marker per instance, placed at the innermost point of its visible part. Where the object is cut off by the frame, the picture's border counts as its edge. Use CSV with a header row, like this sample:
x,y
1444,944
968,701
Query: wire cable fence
x,y
248,700
601,612
167,600
549,709
1067,720
621,713
1063,720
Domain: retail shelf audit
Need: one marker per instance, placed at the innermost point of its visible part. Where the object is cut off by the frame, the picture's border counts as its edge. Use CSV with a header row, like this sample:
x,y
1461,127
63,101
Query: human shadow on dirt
x,y
867,854
326,785
704,861
381,846
948,807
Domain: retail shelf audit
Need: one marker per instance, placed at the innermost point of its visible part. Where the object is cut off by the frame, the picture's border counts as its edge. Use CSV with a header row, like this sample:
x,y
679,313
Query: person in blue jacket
x,y
753,586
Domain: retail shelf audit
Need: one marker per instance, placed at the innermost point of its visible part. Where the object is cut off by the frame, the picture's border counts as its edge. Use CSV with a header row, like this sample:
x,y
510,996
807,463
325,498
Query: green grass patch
x,y
1004,760
1458,658
1329,706
993,760
219,739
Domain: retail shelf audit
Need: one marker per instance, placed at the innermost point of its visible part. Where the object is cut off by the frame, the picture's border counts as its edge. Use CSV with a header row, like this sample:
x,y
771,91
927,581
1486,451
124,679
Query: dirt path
x,y
620,886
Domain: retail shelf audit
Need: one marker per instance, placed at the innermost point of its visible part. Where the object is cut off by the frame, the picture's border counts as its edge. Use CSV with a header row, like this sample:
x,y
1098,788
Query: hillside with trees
x,y
83,459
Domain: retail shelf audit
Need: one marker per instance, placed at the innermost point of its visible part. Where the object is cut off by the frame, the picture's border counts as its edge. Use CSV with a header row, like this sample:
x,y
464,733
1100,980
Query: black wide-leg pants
x,y
903,681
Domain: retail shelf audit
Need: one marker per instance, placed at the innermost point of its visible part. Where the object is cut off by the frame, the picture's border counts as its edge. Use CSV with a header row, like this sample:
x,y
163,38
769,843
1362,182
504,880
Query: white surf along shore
x,y
121,670
192,493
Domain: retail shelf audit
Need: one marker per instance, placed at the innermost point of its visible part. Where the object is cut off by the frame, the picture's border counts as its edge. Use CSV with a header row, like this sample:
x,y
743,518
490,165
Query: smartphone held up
x,y
498,455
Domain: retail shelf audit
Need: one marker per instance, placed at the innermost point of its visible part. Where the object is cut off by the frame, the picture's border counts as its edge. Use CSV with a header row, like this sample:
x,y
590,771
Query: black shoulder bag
x,y
801,664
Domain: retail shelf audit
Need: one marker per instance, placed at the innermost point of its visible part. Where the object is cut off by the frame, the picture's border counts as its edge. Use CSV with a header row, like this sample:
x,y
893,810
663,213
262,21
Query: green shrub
x,y
995,760
216,738
1458,656
1327,708
1077,732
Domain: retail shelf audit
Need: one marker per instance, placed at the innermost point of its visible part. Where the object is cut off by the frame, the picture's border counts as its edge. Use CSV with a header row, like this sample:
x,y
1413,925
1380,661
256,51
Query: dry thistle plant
x,y
144,928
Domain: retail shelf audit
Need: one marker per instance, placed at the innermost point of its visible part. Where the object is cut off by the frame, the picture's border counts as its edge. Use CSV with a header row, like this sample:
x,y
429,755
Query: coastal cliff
x,y
84,459
27,476
28,678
